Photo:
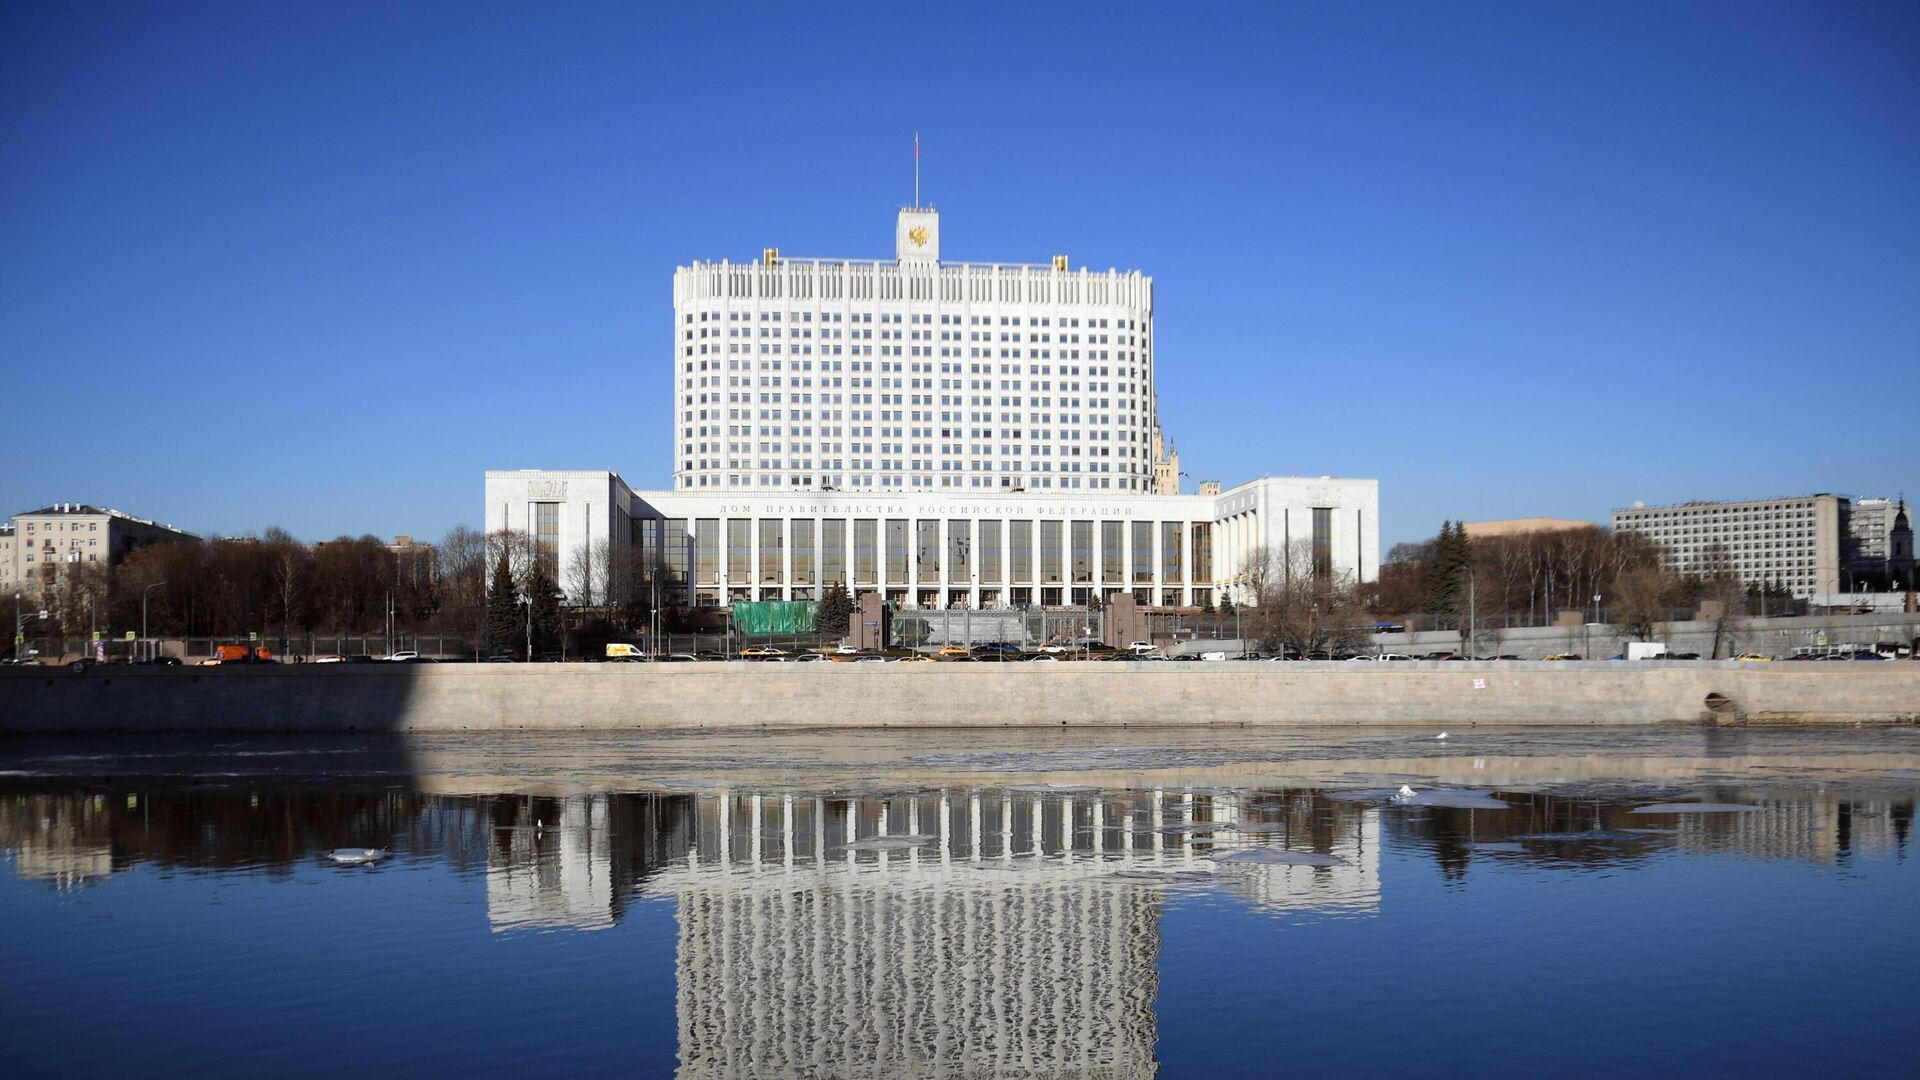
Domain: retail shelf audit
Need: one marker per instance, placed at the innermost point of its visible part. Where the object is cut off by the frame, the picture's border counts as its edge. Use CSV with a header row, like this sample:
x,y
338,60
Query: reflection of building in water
x,y
1023,940
1829,830
62,840
573,862
553,872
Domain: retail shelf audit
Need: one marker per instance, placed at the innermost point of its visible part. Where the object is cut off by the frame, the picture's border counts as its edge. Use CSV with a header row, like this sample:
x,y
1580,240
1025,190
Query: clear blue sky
x,y
319,266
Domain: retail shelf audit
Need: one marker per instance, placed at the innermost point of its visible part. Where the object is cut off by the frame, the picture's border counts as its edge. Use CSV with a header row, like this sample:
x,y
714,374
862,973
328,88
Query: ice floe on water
x,y
356,856
1198,826
895,842
1696,808
1279,857
1588,836
1263,828
1450,798
1163,877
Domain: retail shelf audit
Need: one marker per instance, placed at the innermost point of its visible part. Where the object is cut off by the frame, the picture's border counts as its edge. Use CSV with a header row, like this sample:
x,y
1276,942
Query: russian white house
x,y
950,434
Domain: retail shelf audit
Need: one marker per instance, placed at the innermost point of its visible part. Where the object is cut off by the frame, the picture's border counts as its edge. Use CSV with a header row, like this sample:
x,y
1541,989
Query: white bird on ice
x,y
1442,736
1406,792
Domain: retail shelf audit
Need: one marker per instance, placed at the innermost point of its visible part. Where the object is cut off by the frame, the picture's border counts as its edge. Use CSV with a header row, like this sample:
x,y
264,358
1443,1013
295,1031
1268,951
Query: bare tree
x,y
1295,608
587,573
517,547
289,563
1640,601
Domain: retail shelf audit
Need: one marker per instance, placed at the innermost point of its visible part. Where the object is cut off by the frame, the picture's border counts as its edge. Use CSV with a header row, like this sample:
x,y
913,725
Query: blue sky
x,y
319,266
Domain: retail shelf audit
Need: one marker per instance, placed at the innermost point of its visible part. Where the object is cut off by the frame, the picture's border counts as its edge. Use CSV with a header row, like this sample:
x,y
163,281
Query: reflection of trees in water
x,y
88,835
1813,825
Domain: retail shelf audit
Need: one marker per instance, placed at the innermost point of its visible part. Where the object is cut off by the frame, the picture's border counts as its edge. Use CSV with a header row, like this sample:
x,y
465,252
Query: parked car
x,y
499,658
761,652
403,655
1754,658
953,650
1140,646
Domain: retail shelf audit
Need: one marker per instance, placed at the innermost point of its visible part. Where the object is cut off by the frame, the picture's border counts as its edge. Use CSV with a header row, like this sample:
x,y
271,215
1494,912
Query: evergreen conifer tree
x,y
503,609
543,601
836,612
1447,569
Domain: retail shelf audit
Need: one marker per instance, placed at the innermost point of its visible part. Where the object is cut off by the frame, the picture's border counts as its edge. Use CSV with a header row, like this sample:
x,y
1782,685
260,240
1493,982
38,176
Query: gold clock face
x,y
918,234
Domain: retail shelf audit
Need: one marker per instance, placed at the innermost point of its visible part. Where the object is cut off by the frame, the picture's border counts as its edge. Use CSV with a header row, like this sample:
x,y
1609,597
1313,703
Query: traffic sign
x,y
131,636
253,635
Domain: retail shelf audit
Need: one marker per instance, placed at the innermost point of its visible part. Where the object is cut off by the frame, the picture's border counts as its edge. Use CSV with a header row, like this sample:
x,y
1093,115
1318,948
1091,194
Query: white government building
x,y
955,434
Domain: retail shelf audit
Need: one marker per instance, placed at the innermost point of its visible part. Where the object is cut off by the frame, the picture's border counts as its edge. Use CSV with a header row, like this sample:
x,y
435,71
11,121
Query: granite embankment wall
x,y
640,697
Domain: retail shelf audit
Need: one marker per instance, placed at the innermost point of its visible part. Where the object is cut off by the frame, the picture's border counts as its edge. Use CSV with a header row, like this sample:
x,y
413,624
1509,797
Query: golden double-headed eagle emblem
x,y
918,234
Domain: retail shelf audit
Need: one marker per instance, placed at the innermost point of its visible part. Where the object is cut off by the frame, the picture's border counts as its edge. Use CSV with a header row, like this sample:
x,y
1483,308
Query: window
x,y
772,550
1143,553
1170,571
1202,551
897,551
927,551
1020,550
739,551
959,551
546,534
706,547
1112,558
1322,543
833,551
866,551
1050,552
1082,532
990,553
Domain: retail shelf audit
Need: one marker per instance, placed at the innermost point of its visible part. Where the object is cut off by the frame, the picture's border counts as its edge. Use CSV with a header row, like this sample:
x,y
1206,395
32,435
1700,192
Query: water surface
x,y
999,903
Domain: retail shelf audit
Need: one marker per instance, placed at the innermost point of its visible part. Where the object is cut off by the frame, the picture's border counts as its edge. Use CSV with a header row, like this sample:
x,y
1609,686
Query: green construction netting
x,y
773,617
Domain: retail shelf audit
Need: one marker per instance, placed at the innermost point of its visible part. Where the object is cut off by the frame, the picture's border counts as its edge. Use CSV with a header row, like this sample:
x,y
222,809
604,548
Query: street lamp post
x,y
143,613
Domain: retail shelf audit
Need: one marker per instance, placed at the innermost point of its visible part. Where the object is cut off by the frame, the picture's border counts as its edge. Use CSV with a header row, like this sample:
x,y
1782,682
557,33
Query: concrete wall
x,y
560,697
1772,637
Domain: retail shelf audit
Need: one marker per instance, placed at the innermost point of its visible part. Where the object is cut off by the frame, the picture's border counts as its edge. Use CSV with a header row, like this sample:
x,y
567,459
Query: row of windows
x,y
867,481
918,319
863,551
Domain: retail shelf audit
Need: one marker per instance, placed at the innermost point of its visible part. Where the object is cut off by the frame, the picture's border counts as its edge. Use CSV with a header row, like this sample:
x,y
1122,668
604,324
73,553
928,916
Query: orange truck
x,y
240,654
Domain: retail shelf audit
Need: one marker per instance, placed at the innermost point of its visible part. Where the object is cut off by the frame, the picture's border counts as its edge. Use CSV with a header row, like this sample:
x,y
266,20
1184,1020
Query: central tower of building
x,y
912,373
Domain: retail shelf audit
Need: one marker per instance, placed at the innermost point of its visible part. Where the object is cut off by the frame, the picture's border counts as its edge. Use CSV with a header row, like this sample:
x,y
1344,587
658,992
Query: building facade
x,y
1488,530
952,549
40,544
947,434
912,374
1879,546
1811,545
